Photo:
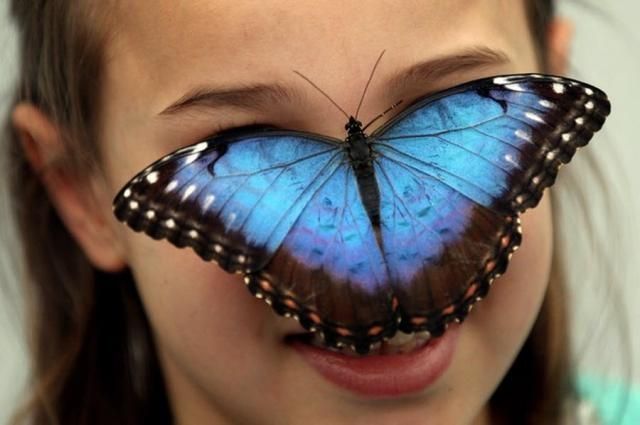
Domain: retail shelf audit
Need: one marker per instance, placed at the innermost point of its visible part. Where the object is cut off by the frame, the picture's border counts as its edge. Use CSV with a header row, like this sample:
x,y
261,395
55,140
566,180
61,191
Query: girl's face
x,y
223,351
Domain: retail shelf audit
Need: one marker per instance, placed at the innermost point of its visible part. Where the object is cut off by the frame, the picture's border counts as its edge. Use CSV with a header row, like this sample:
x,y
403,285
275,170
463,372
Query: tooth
x,y
400,343
400,338
349,351
423,336
318,339
408,347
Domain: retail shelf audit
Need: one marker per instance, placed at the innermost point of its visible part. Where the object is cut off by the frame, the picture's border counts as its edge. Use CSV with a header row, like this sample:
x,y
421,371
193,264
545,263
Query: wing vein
x,y
326,166
438,133
277,166
436,167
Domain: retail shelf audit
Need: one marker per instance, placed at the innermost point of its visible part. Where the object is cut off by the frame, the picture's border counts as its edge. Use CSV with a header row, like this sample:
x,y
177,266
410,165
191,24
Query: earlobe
x,y
72,197
560,37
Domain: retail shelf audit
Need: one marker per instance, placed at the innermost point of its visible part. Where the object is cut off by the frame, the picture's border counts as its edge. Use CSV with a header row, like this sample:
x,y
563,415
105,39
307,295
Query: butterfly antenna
x,y
392,107
323,93
368,82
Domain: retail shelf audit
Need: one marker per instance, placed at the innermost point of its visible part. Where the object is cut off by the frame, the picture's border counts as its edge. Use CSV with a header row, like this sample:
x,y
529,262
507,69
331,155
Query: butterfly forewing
x,y
233,199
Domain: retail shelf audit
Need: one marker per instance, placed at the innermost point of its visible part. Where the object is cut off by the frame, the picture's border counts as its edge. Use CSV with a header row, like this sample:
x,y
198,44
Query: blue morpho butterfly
x,y
402,229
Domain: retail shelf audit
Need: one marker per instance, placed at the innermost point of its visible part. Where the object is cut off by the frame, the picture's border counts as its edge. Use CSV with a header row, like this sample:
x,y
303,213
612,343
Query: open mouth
x,y
404,364
400,343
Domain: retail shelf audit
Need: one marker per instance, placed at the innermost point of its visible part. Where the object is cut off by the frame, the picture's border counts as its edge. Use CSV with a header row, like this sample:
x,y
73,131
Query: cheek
x,y
194,307
516,297
496,329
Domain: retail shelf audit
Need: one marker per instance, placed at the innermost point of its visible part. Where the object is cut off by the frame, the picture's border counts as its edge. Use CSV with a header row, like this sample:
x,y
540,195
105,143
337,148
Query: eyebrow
x,y
257,96
439,67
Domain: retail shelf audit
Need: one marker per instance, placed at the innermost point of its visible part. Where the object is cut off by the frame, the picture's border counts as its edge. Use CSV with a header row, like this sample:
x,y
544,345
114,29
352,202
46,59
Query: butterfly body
x,y
361,156
402,229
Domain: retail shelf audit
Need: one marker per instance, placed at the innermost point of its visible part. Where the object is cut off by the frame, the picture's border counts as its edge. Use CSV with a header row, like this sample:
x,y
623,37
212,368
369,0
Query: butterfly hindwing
x,y
435,240
456,170
329,270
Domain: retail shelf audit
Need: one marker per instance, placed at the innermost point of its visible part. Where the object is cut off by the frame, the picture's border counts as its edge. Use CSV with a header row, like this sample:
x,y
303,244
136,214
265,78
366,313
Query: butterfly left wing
x,y
232,198
456,170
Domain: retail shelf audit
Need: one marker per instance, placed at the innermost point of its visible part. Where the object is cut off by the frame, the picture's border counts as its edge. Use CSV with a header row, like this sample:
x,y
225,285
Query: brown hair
x,y
93,356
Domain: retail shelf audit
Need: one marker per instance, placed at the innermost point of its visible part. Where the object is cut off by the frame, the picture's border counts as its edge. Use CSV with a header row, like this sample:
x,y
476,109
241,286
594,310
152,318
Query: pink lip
x,y
383,376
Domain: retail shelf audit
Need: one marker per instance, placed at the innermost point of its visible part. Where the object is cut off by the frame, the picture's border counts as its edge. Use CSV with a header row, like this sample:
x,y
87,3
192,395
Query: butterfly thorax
x,y
361,156
357,145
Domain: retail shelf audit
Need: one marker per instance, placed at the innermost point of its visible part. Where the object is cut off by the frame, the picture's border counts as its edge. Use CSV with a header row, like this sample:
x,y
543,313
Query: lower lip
x,y
384,376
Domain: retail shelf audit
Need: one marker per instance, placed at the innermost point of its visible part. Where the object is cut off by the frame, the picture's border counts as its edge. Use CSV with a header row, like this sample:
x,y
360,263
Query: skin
x,y
222,350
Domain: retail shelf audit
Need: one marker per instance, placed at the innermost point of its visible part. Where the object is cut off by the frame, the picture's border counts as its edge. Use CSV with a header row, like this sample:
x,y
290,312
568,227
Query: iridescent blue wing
x,y
329,269
280,207
232,198
455,171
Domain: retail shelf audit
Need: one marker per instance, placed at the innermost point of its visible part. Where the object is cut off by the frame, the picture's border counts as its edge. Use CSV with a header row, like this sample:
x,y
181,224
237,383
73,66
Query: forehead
x,y
172,43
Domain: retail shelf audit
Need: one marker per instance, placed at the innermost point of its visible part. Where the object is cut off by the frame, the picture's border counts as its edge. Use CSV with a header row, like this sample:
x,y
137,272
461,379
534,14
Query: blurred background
x,y
602,241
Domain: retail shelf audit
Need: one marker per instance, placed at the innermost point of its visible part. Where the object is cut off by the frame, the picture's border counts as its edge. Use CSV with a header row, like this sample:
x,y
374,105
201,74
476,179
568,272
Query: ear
x,y
77,200
559,36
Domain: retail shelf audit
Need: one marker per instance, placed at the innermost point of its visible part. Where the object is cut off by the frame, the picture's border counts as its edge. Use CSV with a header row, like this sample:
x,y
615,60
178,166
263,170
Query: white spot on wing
x,y
589,105
208,201
558,88
200,147
172,185
151,214
188,192
580,121
588,91
191,158
545,103
521,134
509,158
170,223
134,205
501,80
127,193
152,177
193,234
515,87
534,117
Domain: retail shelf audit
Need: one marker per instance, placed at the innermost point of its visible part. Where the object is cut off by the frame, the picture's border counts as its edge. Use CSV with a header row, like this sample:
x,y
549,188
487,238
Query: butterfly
x,y
401,229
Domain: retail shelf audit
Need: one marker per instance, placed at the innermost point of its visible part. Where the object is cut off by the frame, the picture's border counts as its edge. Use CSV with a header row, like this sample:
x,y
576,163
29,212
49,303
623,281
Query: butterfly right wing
x,y
456,170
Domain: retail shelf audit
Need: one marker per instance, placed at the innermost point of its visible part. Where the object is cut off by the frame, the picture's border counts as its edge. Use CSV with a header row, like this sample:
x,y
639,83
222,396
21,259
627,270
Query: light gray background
x,y
606,53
